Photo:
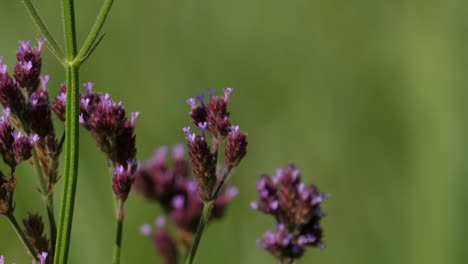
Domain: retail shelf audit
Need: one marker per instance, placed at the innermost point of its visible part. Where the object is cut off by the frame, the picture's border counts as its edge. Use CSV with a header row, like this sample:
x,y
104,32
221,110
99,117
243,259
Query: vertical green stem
x,y
208,206
119,232
22,236
71,136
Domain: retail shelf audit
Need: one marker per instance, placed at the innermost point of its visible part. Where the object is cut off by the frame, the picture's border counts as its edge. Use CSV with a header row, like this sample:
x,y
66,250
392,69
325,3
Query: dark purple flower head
x,y
23,145
236,147
28,67
15,147
218,115
109,125
168,182
203,162
122,181
198,111
281,243
297,210
59,104
40,115
10,94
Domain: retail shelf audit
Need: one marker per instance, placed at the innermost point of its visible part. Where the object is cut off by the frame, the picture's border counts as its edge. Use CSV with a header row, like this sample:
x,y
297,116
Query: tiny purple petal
x,y
159,155
146,229
88,87
286,240
2,260
40,43
234,129
259,243
280,227
211,92
269,237
160,222
277,176
227,92
192,187
82,121
34,138
45,79
135,115
119,169
25,45
6,112
62,97
186,130
42,257
232,192
274,205
3,68
16,134
27,65
254,205
178,151
191,102
296,173
178,202
201,99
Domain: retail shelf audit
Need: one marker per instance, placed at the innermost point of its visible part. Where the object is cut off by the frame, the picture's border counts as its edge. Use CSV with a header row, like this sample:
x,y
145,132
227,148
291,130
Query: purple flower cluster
x,y
162,240
42,258
296,208
170,184
28,102
15,147
113,131
213,119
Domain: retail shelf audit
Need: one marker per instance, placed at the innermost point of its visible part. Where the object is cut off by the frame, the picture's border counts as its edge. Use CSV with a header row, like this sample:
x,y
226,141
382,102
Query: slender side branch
x,y
51,42
22,236
90,41
221,184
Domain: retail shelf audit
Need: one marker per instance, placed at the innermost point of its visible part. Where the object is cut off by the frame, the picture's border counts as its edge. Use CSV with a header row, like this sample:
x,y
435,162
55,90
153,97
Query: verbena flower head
x,y
212,120
28,67
15,147
295,207
111,128
170,184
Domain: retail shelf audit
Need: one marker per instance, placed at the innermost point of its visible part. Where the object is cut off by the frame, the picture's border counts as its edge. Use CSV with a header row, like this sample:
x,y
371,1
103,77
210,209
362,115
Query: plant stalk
x,y
71,136
207,207
119,232
22,236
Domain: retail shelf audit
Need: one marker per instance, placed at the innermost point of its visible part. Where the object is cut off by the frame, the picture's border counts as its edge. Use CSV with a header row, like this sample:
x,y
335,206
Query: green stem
x,y
51,42
119,232
208,206
22,236
71,136
94,33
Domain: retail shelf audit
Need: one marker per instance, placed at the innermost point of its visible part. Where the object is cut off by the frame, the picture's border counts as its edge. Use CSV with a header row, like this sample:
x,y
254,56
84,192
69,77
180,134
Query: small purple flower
x,y
42,257
122,182
28,67
296,209
236,147
146,229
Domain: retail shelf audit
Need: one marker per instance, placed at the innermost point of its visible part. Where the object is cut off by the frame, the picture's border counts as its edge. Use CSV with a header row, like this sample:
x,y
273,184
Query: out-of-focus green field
x,y
368,98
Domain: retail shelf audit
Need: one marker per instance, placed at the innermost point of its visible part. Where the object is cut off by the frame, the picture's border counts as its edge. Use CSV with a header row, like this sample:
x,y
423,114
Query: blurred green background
x,y
368,98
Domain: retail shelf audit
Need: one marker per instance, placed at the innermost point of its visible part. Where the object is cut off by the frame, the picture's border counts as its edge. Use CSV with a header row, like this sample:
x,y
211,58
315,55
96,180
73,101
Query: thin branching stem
x,y
90,42
29,247
51,42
